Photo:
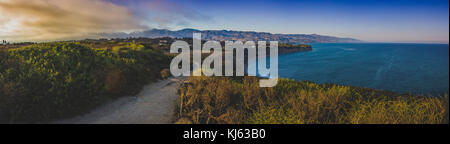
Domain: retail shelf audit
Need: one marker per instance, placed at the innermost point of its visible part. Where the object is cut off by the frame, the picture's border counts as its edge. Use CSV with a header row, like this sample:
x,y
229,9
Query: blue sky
x,y
370,20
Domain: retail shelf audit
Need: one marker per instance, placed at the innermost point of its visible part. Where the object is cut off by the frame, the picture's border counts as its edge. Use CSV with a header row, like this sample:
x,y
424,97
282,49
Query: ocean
x,y
403,68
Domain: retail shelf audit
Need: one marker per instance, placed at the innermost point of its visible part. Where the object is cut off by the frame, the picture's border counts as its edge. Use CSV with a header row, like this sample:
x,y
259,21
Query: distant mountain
x,y
220,35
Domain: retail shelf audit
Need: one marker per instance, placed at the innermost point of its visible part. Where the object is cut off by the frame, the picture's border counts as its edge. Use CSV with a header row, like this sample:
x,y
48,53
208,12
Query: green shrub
x,y
57,80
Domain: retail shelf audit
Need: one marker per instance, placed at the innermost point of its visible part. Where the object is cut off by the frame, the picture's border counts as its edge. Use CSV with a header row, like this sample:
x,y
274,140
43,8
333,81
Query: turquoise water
x,y
404,68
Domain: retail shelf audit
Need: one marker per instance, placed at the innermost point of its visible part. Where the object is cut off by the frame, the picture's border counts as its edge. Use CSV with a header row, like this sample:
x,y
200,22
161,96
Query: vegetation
x,y
46,81
42,82
238,100
14,45
290,46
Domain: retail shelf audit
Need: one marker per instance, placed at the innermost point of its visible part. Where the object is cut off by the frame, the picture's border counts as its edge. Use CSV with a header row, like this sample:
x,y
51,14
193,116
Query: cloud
x,y
166,13
63,19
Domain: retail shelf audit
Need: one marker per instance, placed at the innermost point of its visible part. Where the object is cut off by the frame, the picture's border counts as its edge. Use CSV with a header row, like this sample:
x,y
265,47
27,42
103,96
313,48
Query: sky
x,y
368,20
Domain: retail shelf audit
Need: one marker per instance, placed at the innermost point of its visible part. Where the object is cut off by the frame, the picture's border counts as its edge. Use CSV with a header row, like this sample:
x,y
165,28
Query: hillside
x,y
56,80
221,35
239,100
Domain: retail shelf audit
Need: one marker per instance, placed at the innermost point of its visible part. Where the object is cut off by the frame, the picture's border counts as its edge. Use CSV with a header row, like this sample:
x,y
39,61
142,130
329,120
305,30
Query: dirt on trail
x,y
155,104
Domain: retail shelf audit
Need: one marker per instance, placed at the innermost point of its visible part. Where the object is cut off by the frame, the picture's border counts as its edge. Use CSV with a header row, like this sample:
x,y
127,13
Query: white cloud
x,y
23,20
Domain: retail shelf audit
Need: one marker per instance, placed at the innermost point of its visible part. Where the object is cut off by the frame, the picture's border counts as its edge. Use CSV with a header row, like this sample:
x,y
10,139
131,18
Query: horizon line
x,y
362,41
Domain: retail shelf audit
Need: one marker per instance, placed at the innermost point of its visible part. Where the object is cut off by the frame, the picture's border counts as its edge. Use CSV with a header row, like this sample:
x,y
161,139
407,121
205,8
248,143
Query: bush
x,y
207,100
165,73
240,100
57,80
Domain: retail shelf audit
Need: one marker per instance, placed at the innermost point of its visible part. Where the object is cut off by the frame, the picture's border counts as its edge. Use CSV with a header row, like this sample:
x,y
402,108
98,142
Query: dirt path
x,y
155,104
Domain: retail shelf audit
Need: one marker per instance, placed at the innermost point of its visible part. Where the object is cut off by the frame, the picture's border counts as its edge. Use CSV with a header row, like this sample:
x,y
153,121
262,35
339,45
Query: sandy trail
x,y
155,104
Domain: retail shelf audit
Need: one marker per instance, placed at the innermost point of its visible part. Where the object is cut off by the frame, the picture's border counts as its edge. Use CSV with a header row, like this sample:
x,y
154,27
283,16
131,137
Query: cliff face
x,y
284,50
220,35
288,48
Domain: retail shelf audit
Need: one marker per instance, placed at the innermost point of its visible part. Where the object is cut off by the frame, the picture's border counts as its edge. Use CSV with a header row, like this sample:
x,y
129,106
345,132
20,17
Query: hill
x,y
220,35
55,80
240,100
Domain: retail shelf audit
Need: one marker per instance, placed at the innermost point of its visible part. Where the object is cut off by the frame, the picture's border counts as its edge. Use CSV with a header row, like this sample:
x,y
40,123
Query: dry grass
x,y
240,100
